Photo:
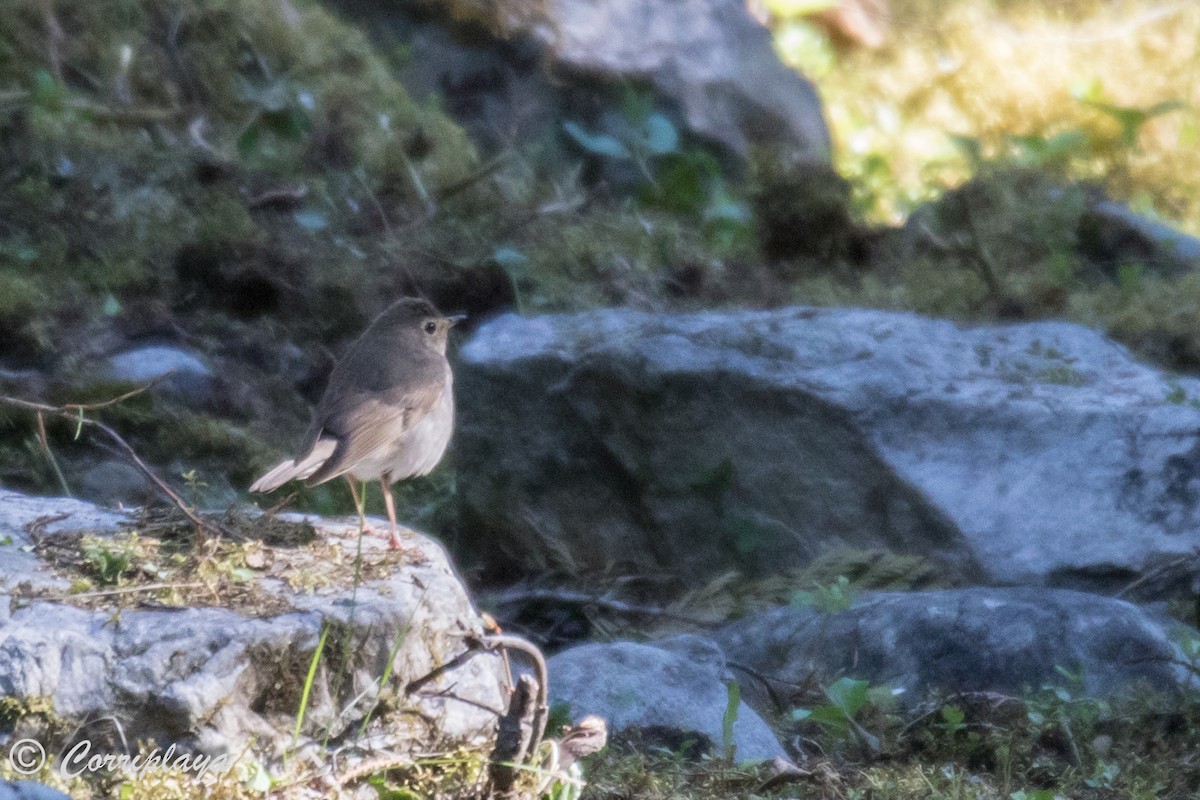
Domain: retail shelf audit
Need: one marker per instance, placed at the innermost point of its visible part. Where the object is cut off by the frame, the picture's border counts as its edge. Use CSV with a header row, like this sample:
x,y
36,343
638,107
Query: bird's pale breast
x,y
417,450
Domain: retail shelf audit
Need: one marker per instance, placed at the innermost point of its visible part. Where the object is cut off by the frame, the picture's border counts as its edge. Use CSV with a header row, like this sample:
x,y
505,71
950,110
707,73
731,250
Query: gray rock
x,y
29,790
111,482
23,520
1167,250
707,59
677,685
1039,453
711,57
962,640
213,678
185,374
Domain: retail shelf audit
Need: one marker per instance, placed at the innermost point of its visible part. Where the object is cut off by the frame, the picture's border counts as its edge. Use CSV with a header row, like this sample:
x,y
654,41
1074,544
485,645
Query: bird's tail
x,y
295,469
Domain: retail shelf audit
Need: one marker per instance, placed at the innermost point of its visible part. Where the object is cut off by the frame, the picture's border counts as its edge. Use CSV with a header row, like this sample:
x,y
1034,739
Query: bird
x,y
387,412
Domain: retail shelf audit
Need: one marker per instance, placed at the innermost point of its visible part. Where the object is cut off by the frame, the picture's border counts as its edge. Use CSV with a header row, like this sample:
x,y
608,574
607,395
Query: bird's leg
x,y
385,482
360,504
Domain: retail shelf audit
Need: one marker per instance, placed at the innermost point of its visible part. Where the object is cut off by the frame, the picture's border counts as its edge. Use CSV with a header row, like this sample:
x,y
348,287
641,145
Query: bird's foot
x,y
394,542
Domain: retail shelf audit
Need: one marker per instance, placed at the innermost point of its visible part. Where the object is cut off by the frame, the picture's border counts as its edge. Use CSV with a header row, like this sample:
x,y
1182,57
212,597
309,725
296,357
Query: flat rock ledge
x,y
214,677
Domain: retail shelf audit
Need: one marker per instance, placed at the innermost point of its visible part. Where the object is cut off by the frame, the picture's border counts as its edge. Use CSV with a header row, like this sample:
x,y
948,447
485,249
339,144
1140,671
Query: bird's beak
x,y
455,318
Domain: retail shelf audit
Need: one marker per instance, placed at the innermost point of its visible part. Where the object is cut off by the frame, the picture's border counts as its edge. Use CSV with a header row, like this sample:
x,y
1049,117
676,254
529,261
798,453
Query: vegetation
x,y
242,175
250,179
992,129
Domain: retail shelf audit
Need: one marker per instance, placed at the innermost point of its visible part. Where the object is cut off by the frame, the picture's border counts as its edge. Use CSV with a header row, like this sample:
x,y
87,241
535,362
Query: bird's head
x,y
416,320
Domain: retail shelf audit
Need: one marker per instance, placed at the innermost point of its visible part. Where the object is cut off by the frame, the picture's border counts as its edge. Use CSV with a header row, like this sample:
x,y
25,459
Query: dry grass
x,y
161,562
993,70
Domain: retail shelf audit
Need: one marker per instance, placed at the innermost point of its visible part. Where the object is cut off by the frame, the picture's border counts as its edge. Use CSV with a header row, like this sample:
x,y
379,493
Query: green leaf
x,y
48,92
683,183
848,694
1132,119
599,144
733,701
829,716
953,716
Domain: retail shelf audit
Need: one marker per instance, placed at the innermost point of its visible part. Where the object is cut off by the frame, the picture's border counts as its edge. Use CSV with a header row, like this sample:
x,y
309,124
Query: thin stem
x,y
44,441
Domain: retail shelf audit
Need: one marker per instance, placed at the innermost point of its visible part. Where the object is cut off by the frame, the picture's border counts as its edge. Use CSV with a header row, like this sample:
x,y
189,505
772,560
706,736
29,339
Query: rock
x,y
544,63
25,520
1038,453
708,56
111,482
216,678
1115,235
29,790
182,373
677,685
962,640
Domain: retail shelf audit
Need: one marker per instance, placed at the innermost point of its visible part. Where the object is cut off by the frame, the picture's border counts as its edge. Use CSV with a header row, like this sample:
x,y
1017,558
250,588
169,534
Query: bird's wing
x,y
364,420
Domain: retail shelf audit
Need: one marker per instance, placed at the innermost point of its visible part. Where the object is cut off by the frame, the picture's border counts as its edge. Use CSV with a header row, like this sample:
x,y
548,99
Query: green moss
x,y
116,168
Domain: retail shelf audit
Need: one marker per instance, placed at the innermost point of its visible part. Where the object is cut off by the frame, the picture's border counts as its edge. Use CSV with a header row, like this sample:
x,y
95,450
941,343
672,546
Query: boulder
x,y
218,676
112,481
674,688
961,640
1039,453
710,57
504,66
180,372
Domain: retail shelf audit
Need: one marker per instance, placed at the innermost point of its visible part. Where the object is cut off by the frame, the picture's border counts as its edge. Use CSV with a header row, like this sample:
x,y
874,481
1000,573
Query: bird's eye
x,y
431,327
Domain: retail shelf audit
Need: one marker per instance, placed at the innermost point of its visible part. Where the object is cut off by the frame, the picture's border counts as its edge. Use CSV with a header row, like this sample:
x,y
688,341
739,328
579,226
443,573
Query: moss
x,y
803,211
115,168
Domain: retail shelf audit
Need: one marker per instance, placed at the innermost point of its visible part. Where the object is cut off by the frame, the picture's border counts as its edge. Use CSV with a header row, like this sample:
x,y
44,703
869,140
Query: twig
x,y
474,647
72,412
419,186
44,441
476,176
148,587
100,110
607,604
54,40
491,643
983,257
1159,571
513,736
542,709
121,398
